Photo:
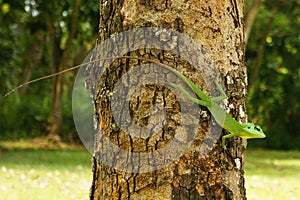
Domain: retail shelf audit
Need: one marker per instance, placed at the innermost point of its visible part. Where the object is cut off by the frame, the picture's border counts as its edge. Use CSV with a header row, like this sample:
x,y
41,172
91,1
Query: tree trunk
x,y
250,17
32,57
262,46
59,60
196,167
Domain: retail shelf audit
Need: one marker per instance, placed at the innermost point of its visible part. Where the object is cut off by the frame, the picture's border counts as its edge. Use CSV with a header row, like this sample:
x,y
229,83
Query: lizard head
x,y
252,131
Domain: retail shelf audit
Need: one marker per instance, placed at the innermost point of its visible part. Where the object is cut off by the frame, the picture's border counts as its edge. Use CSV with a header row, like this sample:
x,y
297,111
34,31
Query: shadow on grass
x,y
272,162
13,155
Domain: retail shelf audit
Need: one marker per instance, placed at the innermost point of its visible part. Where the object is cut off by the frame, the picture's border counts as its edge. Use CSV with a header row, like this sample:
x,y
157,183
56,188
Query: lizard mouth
x,y
261,136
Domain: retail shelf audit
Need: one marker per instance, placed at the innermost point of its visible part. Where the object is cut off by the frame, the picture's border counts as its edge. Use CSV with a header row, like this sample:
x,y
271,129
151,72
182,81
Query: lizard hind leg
x,y
189,96
220,89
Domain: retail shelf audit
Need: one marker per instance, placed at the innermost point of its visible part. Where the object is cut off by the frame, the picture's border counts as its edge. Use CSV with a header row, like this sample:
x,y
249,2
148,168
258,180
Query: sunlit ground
x,y
272,175
66,174
44,183
44,174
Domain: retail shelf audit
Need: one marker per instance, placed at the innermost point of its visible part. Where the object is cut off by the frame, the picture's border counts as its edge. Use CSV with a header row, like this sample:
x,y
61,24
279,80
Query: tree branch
x,y
250,18
73,30
262,46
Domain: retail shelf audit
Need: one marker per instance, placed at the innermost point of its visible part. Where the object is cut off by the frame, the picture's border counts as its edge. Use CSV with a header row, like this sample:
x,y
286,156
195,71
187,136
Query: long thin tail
x,y
96,60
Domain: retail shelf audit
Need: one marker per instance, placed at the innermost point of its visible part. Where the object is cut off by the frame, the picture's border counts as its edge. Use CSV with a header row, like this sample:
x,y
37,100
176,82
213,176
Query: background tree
x,y
39,38
273,61
218,27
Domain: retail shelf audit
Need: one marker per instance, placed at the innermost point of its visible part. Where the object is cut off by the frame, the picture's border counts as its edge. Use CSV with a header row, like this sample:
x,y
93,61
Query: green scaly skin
x,y
243,130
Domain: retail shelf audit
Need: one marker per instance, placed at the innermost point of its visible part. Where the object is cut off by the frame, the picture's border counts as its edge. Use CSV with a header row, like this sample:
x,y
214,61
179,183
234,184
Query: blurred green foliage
x,y
24,37
274,99
273,50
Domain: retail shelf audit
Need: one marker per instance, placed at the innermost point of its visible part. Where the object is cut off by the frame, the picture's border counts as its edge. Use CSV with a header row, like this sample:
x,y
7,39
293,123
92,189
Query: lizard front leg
x,y
226,137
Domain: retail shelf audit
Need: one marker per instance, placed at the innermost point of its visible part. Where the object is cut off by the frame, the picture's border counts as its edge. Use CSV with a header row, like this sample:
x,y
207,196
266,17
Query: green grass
x,y
272,174
66,174
44,174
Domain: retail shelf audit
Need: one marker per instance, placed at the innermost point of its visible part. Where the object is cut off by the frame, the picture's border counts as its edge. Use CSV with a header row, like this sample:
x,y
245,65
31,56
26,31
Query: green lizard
x,y
245,130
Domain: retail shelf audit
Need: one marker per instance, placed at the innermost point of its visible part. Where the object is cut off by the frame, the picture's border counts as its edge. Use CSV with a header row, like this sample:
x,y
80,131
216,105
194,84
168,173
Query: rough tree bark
x,y
218,27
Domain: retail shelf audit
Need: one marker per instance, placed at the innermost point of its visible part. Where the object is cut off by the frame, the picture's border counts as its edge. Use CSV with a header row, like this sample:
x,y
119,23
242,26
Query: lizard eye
x,y
248,127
